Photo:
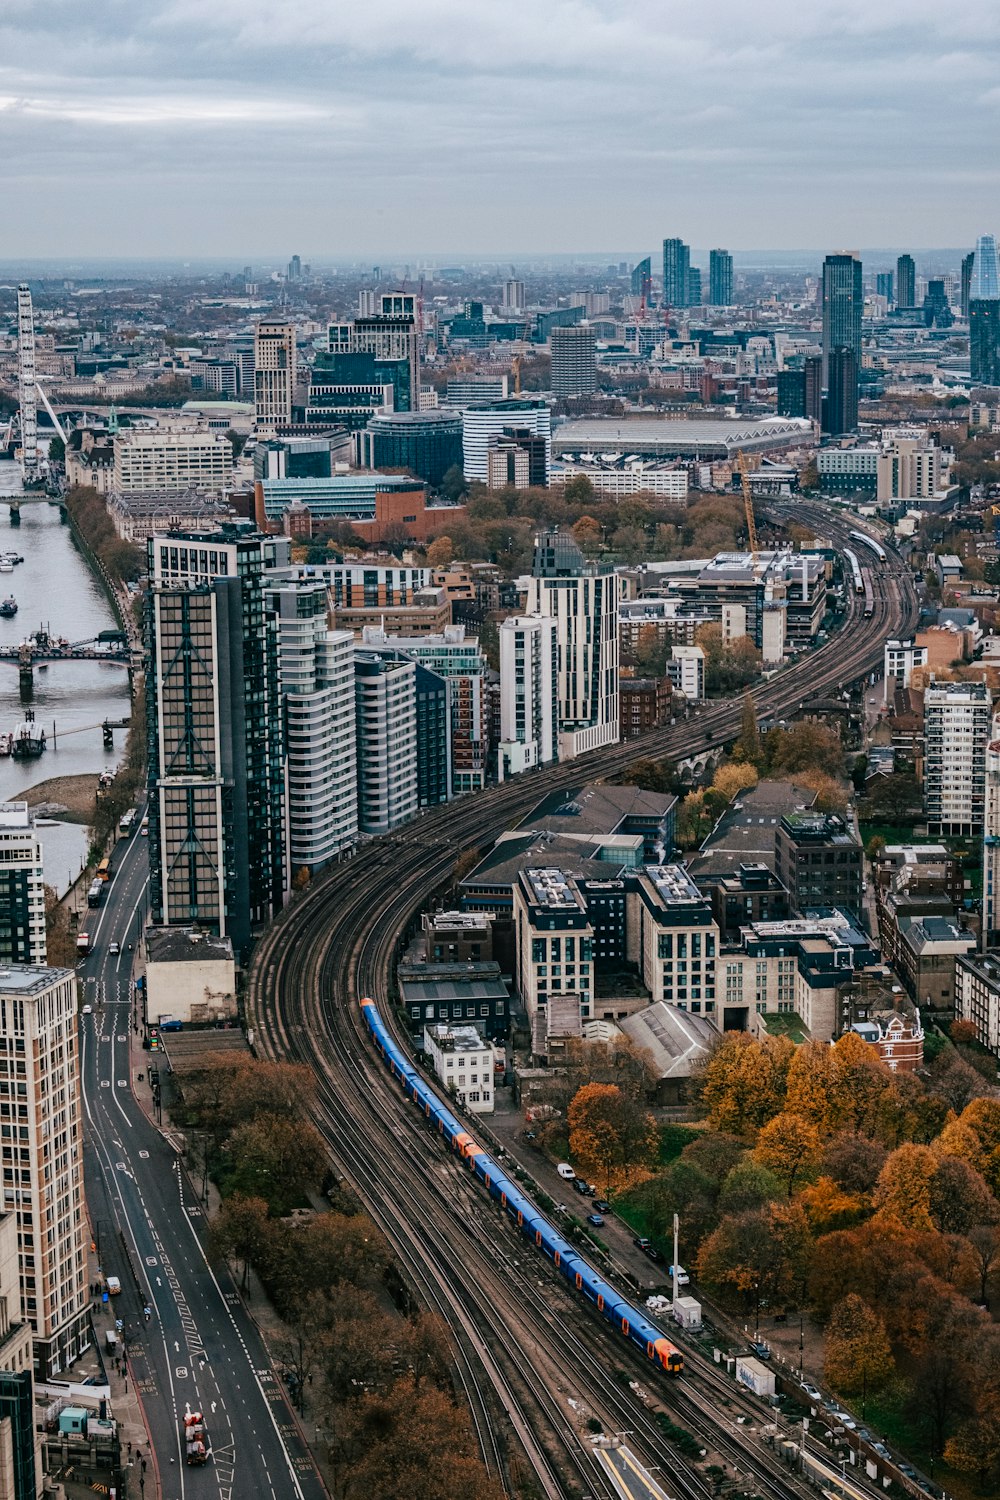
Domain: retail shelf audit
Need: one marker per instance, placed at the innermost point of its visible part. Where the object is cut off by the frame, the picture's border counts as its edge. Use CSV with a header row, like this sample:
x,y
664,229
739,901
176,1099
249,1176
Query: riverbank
x,y
71,799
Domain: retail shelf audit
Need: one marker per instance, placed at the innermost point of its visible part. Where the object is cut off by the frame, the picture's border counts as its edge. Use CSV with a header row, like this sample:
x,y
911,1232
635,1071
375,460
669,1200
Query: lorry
x,y
83,943
195,1437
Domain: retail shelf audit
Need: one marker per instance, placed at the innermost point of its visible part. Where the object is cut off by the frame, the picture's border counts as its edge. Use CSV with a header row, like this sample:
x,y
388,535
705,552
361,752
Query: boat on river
x,y
29,739
8,609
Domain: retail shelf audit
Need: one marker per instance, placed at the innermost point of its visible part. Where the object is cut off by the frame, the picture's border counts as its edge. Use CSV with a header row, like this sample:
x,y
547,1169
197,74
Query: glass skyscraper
x,y
720,278
843,302
985,285
676,265
906,282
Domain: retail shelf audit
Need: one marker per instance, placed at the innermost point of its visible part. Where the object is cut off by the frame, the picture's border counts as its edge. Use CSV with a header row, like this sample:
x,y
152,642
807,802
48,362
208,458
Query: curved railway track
x,y
531,1362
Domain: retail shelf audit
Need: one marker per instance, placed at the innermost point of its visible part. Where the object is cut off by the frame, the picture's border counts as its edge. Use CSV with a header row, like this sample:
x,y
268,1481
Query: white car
x,y
843,1419
683,1279
812,1393
88,1010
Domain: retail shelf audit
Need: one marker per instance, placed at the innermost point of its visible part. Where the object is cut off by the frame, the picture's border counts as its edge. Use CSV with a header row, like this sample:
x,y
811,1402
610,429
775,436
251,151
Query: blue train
x,y
626,1319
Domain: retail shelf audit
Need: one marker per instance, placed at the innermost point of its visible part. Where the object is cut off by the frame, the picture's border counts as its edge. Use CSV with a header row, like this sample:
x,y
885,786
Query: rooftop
x,y
457,1038
30,979
641,435
14,815
673,884
178,945
675,1039
597,808
550,887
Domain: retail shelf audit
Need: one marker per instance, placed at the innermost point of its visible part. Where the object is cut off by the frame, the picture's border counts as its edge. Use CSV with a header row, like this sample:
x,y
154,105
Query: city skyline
x,y
422,123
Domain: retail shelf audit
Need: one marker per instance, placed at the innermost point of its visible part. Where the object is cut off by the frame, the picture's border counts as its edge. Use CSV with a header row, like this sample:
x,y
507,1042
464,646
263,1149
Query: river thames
x,y
54,587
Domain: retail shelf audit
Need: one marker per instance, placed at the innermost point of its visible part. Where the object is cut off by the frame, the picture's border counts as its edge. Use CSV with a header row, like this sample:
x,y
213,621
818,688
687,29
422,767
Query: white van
x,y
114,1285
565,1171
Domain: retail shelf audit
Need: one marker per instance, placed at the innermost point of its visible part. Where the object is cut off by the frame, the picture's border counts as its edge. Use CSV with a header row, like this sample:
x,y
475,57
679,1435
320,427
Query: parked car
x,y
647,1247
602,1207
565,1171
811,1392
682,1277
843,1419
583,1188
881,1450
596,1220
762,1350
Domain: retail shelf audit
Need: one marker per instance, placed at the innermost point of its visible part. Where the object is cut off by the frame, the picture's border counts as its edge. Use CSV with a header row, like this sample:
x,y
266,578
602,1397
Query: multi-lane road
x,y
543,1370
199,1347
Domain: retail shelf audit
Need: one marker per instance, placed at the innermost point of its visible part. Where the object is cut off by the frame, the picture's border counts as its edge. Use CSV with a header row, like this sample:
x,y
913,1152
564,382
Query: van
x,y
565,1171
110,1340
114,1286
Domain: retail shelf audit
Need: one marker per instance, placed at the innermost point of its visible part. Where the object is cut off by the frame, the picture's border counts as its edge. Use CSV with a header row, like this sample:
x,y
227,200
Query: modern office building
x,y
819,861
676,264
583,599
346,497
22,888
425,443
529,694
215,734
167,461
386,715
956,732
641,281
884,284
473,390
434,741
840,405
457,659
990,936
21,1472
316,677
937,309
906,282
694,296
985,281
43,1160
968,261
984,340
574,361
493,419
275,372
720,278
800,390
391,335
843,304
348,386
554,938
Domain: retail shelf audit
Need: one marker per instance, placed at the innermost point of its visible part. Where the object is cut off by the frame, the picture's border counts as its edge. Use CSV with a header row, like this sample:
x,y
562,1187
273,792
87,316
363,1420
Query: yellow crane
x,y
744,468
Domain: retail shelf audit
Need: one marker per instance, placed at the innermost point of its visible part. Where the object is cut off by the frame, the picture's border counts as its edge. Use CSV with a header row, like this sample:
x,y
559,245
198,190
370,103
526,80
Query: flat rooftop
x,y
551,888
30,979
666,436
179,945
673,884
457,1038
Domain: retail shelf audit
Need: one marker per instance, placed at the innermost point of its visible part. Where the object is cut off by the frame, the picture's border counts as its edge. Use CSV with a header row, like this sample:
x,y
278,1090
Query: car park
x,y
596,1220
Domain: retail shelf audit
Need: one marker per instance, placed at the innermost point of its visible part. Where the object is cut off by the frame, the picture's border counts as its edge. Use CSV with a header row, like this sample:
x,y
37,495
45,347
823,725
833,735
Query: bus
x,y
127,822
105,869
95,895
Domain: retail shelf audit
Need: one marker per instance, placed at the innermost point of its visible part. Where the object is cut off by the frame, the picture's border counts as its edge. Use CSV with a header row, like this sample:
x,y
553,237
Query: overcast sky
x,y
408,127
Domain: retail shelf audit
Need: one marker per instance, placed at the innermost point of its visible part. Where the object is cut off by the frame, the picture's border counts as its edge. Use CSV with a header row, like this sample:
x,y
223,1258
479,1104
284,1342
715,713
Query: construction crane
x,y
744,468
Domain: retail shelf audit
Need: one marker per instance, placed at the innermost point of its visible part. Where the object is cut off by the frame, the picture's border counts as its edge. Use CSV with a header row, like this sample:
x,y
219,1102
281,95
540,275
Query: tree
x,y
440,552
861,1081
750,1185
610,1134
579,490
454,486
241,1229
60,947
960,1198
732,779
57,450
812,1075
748,747
903,1194
275,1158
857,1357
238,440
975,1447
303,876
587,532
984,1240
854,1162
788,1146
741,1084
829,1207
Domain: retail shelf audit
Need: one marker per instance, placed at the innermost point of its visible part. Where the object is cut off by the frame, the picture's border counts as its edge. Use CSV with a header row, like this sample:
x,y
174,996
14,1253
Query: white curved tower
x,y
26,395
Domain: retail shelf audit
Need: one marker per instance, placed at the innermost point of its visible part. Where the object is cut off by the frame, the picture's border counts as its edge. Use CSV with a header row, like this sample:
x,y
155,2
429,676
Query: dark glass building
x,y
984,341
800,389
967,264
937,312
884,284
840,405
215,734
433,738
348,387
720,278
17,1406
906,282
426,443
641,284
676,265
843,302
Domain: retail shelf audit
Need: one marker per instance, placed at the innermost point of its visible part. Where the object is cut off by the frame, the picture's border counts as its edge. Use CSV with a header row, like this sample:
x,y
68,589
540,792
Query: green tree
x,y
454,486
241,1229
274,1158
748,746
857,1356
788,1146
57,450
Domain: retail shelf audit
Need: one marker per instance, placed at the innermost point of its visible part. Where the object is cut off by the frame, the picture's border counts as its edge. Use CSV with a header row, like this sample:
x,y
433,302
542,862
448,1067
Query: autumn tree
x,y
812,1075
959,1197
611,1134
741,1085
747,747
440,552
750,1185
854,1162
861,1081
903,1194
735,778
984,1242
275,1158
240,1229
975,1447
857,1355
788,1146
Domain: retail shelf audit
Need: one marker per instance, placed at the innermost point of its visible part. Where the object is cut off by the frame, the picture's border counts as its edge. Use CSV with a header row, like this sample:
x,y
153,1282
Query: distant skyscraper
x,y
991,841
840,407
985,284
641,284
884,284
843,301
720,278
906,282
676,264
512,298
967,264
216,772
574,361
984,340
274,359
937,311
694,286
295,268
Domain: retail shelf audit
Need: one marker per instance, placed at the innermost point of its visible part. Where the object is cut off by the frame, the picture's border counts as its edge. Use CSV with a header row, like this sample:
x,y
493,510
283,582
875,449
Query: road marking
x,y
143,1155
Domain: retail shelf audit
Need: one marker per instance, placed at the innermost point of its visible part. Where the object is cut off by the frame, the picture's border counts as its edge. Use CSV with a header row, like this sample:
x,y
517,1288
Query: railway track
x,y
531,1376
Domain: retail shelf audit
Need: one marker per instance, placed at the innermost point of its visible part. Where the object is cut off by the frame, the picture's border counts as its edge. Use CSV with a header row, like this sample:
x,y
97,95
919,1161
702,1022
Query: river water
x,y
55,587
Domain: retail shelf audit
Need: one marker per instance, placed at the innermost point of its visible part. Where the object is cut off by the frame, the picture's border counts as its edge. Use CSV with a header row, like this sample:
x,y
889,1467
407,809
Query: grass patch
x,y
679,1437
786,1023
893,833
